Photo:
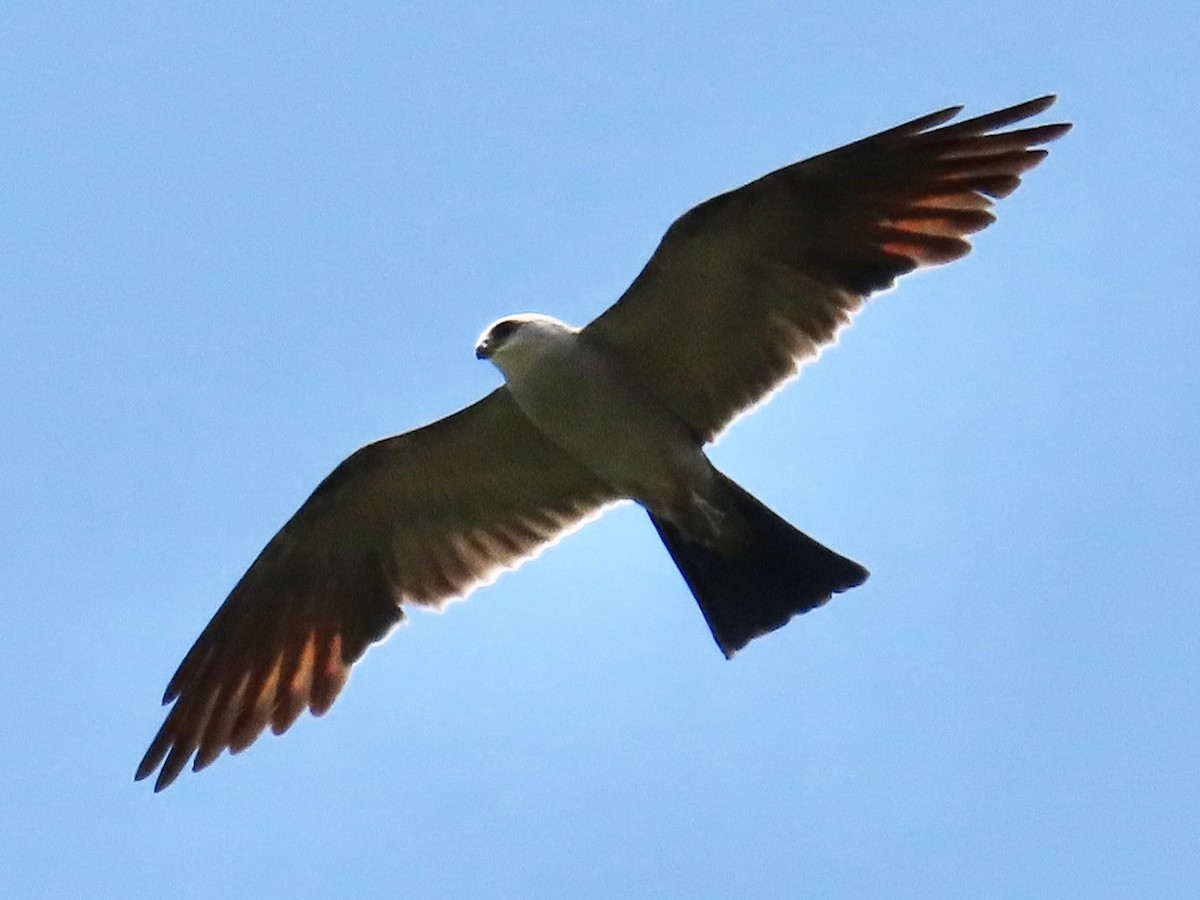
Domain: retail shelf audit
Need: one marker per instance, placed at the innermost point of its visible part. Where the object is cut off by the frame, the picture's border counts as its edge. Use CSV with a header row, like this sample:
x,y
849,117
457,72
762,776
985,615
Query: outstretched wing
x,y
746,286
416,518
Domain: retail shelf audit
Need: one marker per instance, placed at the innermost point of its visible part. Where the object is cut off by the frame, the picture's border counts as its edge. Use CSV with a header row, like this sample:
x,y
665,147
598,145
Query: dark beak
x,y
483,350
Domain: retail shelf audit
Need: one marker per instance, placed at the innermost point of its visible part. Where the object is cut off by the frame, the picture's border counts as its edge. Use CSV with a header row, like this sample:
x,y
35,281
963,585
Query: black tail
x,y
758,585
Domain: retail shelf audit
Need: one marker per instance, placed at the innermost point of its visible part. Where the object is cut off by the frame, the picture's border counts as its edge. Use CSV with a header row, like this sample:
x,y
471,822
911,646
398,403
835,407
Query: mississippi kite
x,y
742,289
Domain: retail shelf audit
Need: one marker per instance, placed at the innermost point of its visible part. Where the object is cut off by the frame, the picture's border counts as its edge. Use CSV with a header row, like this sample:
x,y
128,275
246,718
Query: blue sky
x,y
237,245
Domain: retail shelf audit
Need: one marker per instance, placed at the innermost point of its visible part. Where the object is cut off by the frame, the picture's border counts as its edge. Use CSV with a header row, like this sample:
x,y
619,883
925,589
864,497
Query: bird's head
x,y
516,340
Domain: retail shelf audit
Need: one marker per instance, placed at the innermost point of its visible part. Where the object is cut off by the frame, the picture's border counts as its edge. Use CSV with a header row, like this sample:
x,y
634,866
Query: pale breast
x,y
598,413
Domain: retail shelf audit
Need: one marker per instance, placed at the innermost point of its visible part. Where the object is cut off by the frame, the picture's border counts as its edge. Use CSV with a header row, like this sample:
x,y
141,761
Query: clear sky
x,y
236,245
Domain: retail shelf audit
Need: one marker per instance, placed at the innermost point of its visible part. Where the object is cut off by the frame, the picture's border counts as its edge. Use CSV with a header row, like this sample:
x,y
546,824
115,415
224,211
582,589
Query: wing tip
x,y
1040,104
1000,118
1053,131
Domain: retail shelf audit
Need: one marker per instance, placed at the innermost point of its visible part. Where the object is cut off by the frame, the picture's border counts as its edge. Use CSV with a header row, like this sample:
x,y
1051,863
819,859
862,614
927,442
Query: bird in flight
x,y
739,293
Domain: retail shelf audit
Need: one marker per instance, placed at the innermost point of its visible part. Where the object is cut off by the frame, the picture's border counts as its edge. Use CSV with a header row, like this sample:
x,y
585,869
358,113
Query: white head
x,y
515,341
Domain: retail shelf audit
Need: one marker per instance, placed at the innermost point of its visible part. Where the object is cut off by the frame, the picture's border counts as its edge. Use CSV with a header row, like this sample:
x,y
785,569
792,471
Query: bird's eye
x,y
502,332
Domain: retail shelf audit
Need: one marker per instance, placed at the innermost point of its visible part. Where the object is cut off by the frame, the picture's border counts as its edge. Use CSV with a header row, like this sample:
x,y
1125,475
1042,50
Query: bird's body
x,y
741,291
590,405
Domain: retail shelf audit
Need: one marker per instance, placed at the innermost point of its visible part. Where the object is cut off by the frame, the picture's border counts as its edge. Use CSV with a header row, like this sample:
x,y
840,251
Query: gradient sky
x,y
236,245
